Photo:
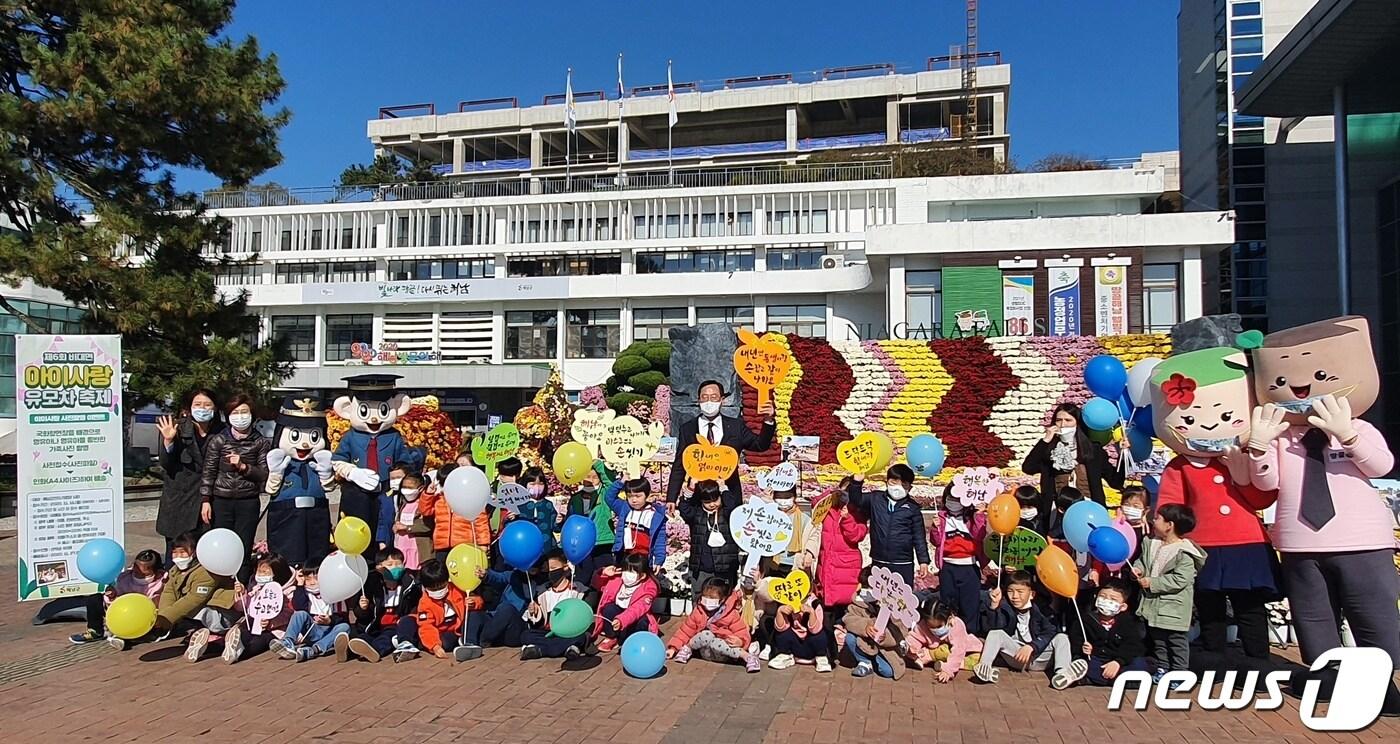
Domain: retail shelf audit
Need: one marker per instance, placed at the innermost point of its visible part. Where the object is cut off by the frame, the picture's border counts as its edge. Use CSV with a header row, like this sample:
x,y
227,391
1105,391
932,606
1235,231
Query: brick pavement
x,y
52,691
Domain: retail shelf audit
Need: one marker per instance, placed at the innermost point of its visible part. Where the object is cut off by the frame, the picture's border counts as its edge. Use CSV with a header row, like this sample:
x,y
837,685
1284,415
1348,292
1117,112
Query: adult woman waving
x,y
1066,457
183,442
235,471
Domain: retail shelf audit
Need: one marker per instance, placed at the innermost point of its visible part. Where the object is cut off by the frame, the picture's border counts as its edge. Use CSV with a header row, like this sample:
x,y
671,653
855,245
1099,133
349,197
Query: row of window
x,y
54,318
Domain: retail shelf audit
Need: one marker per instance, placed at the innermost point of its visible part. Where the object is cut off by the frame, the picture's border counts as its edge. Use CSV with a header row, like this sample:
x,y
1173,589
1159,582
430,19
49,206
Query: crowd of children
x,y
974,615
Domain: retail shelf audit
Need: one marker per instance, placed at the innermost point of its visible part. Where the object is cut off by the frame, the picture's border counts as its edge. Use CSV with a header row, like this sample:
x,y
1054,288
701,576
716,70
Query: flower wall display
x,y
424,427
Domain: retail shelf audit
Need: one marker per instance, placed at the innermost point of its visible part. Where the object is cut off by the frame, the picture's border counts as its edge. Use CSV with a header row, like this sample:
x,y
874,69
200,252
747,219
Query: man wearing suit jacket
x,y
726,430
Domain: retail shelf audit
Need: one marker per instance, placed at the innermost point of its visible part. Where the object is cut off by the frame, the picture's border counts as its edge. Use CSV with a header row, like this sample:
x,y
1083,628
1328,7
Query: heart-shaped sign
x,y
626,443
792,590
782,477
590,427
858,455
510,496
705,461
822,506
500,443
978,485
760,529
762,362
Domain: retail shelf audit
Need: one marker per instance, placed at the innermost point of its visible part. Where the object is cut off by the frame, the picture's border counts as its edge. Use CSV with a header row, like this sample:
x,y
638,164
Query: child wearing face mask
x,y
875,650
443,613
194,599
146,575
557,585
540,510
1115,642
388,507
383,612
316,624
628,592
588,501
252,636
449,529
897,536
941,640
1028,498
1132,512
790,558
641,522
412,535
715,629
957,533
503,625
705,506
1023,637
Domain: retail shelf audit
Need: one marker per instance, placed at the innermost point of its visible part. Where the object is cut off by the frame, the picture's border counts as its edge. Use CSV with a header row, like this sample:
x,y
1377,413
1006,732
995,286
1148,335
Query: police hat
x,y
375,387
302,411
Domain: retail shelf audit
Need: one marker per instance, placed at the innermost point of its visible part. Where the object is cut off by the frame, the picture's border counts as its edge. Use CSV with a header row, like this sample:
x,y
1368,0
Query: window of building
x,y
435,230
532,334
649,324
1246,26
54,319
789,259
256,241
298,332
593,334
351,271
298,273
342,331
674,262
1161,297
781,222
316,239
923,303
347,238
401,235
803,320
468,235
1244,9
1247,45
401,270
286,240
738,317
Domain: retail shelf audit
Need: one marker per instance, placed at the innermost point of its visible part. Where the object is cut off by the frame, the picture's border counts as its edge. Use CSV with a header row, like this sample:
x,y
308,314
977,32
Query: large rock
x,y
1208,332
699,353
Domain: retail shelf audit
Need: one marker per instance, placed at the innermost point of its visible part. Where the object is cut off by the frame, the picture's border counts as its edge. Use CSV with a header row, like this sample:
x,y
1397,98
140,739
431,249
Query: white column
x,y
792,128
625,318
1190,289
624,139
536,150
892,121
320,356
628,261
561,337
897,312
459,155
498,333
377,330
760,313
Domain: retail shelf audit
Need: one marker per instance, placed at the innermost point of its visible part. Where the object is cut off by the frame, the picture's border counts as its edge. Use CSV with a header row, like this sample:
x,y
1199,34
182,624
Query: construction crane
x,y
969,75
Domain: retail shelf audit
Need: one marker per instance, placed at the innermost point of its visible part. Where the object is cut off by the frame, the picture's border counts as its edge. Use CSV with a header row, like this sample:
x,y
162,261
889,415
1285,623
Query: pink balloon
x,y
1130,534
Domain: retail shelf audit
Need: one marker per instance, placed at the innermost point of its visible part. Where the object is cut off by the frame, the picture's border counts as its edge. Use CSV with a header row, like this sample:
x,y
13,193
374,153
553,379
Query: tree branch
x,y
25,318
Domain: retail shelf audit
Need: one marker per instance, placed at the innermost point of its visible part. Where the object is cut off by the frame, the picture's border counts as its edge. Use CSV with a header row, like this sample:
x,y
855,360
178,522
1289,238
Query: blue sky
x,y
1094,77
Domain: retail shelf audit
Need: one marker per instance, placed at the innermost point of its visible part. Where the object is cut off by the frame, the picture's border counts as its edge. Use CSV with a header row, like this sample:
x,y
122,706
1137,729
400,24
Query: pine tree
x,y
99,101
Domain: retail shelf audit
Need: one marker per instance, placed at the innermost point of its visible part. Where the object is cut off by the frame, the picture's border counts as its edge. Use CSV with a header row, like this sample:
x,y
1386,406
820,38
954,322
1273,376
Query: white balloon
x,y
221,552
340,577
358,564
1140,381
467,492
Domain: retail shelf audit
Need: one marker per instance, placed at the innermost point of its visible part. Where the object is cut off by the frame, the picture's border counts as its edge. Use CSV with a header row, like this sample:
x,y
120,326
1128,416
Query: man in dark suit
x,y
719,429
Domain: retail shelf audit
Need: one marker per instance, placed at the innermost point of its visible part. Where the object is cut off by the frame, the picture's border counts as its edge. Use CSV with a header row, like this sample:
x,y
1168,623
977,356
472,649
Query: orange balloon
x,y
1057,572
1004,514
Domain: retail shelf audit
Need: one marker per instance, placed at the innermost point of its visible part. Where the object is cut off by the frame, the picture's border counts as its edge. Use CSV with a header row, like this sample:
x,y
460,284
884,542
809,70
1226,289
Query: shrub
x,y
629,363
646,383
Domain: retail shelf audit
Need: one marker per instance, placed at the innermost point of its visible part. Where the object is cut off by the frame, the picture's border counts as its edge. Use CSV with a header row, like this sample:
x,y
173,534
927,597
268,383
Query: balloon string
x,y
1001,557
1082,632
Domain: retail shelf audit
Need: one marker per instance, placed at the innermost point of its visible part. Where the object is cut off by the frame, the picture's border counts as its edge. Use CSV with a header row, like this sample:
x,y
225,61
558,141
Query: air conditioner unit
x,y
833,262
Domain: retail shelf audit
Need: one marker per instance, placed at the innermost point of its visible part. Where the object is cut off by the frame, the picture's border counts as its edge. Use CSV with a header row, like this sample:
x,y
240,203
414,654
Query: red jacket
x,y
433,620
639,607
1225,512
728,624
838,566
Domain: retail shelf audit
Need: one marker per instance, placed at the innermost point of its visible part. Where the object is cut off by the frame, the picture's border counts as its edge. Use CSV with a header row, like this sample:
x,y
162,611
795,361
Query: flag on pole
x,y
621,92
670,98
570,115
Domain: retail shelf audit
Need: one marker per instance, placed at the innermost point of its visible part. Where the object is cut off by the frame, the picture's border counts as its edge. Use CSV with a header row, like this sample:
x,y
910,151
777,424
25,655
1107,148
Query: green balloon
x,y
571,617
1101,437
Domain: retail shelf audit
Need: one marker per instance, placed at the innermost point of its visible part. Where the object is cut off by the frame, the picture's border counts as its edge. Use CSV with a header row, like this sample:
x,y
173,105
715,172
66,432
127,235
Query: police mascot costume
x,y
299,475
366,453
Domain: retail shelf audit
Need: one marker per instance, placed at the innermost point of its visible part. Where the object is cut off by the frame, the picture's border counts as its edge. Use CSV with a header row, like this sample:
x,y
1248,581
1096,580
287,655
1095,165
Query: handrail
x,y
584,95
954,61
483,104
884,68
751,81
648,90
392,112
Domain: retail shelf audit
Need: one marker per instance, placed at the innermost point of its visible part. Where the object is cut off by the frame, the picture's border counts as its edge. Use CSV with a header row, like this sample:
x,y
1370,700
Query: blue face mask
x,y
394,572
202,415
1214,446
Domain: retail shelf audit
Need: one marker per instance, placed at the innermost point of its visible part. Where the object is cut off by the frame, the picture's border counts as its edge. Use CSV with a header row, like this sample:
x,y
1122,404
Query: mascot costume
x,y
1201,400
299,475
372,446
1332,528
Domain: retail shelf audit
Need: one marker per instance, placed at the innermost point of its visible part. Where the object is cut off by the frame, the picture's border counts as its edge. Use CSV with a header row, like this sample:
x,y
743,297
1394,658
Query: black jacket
x,y
1122,643
183,464
367,621
721,560
1096,467
1003,618
734,433
896,535
221,479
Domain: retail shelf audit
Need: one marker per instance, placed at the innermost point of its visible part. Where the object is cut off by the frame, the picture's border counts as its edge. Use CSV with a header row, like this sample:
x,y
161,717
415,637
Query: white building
x,y
475,284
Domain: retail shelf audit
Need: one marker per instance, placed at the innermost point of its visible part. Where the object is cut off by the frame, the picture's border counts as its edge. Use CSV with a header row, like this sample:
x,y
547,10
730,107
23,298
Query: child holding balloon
x,y
1112,637
1022,636
146,575
193,597
254,635
443,611
315,624
538,640
628,592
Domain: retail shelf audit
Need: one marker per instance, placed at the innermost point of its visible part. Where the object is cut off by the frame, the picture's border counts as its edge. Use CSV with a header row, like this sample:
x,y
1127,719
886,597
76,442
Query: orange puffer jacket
x,y
450,530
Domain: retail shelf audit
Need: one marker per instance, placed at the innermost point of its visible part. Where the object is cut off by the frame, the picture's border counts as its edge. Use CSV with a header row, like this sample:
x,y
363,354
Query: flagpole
x,y
670,125
568,128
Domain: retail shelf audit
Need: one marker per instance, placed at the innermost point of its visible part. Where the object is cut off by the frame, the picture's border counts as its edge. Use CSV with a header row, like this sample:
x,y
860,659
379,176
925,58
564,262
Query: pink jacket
x,y
729,623
128,584
805,623
960,643
639,607
838,566
978,525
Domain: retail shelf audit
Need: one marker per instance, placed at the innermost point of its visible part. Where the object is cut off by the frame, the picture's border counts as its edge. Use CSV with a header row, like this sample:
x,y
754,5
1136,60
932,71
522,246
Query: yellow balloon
x,y
463,563
352,535
131,616
572,461
884,452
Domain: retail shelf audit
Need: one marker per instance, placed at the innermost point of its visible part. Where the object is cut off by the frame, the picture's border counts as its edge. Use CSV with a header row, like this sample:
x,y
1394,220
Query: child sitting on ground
x,y
537,642
1115,642
875,650
145,576
715,629
193,598
442,613
941,640
641,522
383,612
253,636
315,625
1021,636
800,636
1167,571
628,591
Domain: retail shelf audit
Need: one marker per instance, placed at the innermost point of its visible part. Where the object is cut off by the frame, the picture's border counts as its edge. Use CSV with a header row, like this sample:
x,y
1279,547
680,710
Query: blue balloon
x,y
1150,483
643,655
1106,376
521,544
1139,443
1100,414
1142,421
1080,519
578,537
1108,545
925,454
101,560
1125,407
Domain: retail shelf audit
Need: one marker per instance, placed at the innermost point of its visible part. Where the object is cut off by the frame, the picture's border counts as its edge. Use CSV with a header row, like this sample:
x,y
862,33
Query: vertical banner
x,y
68,443
1018,303
1111,300
1064,301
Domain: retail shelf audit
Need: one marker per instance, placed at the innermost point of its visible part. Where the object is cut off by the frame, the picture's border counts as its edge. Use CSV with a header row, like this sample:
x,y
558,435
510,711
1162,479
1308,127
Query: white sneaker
x,y
765,653
987,673
781,661
233,645
199,640
823,664
1071,674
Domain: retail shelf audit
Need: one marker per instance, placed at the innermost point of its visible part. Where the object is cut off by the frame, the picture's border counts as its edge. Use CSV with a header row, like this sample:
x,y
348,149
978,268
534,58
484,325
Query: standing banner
x,y
1110,300
68,444
1018,304
1064,301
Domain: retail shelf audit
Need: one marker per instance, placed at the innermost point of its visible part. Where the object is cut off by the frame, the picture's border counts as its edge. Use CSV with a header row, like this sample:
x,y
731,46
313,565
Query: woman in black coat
x,y
182,448
235,472
1066,456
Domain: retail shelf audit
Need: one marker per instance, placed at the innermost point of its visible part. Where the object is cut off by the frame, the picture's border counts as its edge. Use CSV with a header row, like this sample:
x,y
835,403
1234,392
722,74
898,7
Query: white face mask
x,y
716,539
631,578
263,579
436,593
954,506
1132,513
394,483
785,504
896,493
241,421
1031,513
182,563
410,494
1107,607
709,408
710,604
1067,434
